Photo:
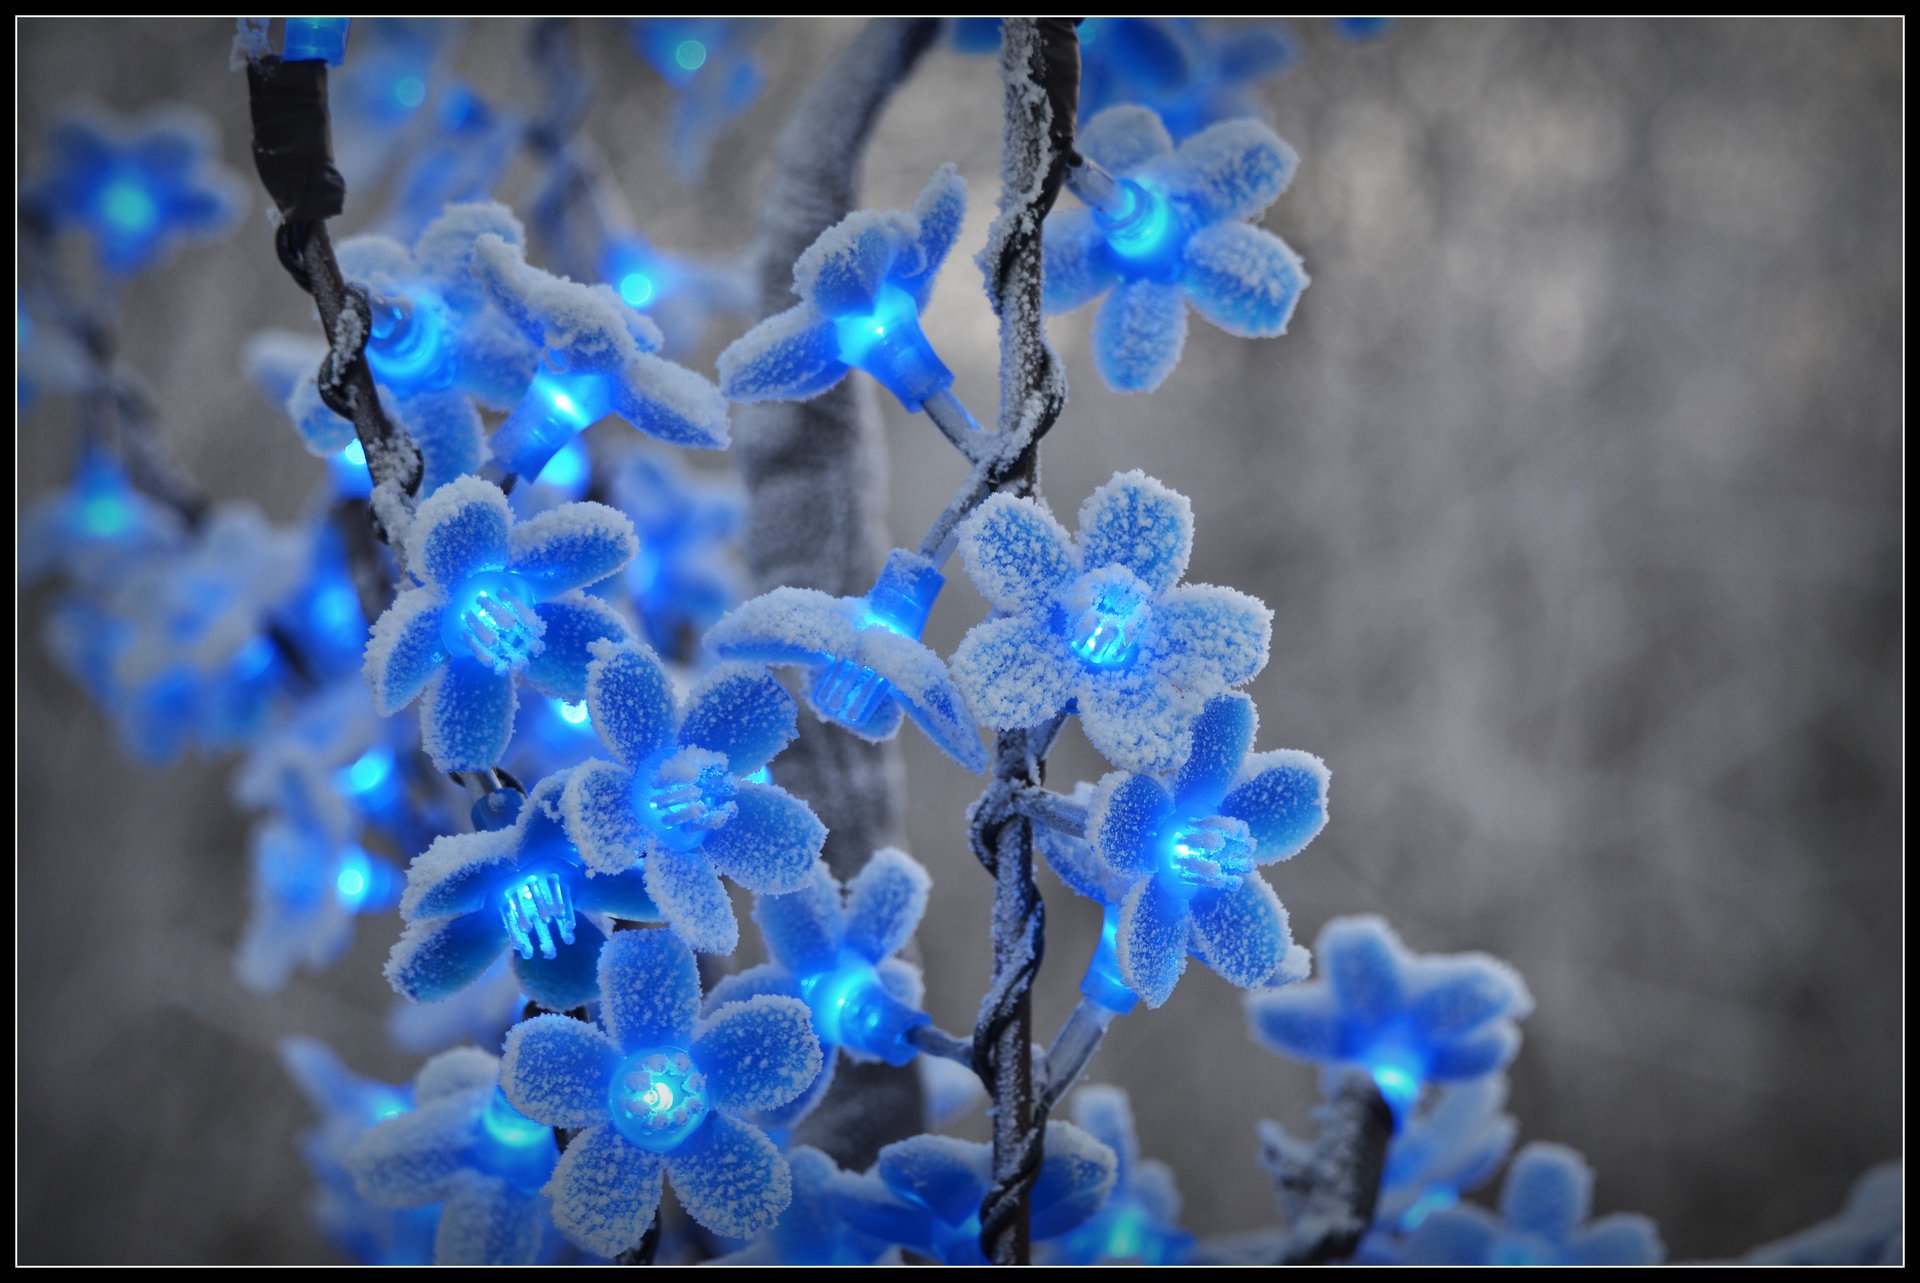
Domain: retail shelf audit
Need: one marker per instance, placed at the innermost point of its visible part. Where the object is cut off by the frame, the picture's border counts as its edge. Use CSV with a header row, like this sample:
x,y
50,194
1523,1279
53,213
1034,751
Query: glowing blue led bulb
x,y
408,345
658,1098
852,1009
568,470
1102,984
1106,631
490,617
127,207
1215,853
688,797
514,1146
1398,1073
534,907
888,344
573,714
557,407
634,270
349,468
317,40
1143,231
847,691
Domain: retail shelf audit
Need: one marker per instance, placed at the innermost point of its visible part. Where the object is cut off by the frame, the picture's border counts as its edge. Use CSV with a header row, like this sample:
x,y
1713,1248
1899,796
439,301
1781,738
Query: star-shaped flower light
x,y
1544,1206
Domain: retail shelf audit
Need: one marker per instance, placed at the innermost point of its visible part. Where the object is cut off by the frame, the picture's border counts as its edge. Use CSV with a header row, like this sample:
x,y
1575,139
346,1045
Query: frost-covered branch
x,y
1328,1190
1040,69
293,151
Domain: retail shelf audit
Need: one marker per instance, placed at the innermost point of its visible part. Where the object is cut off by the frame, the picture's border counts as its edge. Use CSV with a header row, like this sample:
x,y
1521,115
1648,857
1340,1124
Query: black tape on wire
x,y
293,151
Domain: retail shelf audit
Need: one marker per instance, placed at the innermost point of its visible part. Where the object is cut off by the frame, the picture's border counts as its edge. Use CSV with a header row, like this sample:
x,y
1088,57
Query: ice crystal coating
x,y
1101,623
610,1080
498,601
867,666
520,889
1406,1019
862,285
1181,232
678,806
924,1192
1179,858
1140,1221
465,1147
597,359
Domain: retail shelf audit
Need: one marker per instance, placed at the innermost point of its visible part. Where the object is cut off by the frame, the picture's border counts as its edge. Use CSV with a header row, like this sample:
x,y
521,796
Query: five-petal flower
x,y
678,805
1407,1020
1181,861
522,887
462,1145
496,600
1102,622
1544,1205
137,185
1180,231
1140,1221
654,1090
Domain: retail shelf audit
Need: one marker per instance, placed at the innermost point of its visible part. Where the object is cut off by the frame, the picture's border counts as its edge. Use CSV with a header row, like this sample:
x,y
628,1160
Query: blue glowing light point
x,y
852,1008
568,470
1143,232
515,1148
128,207
410,91
573,714
659,1098
688,797
1103,984
408,345
1437,1199
690,55
1110,614
317,40
1215,853
367,773
491,618
353,879
888,344
534,907
1399,1075
635,271
559,405
849,692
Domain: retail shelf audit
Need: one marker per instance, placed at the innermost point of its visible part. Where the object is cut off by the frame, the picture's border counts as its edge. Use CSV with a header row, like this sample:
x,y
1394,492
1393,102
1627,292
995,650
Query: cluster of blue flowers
x,y
600,650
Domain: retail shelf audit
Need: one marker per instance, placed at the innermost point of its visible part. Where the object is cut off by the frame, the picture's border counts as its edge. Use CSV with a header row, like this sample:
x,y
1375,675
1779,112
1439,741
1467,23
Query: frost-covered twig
x,y
1328,1190
1040,69
293,151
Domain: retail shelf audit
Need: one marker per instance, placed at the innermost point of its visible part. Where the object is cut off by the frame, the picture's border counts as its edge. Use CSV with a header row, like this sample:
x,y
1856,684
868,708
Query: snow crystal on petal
x,y
1232,170
404,649
790,356
575,624
437,958
803,928
467,717
770,844
571,546
1241,934
885,902
557,1070
1013,672
1077,265
843,269
742,712
1244,280
601,821
730,1178
450,876
694,900
605,1190
1017,554
1122,138
460,528
758,1053
630,699
1283,801
1152,941
1138,335
1137,522
1212,637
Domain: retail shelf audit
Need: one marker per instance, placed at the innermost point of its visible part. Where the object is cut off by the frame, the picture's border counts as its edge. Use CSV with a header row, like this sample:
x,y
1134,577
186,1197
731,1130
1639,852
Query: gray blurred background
x,y
1575,490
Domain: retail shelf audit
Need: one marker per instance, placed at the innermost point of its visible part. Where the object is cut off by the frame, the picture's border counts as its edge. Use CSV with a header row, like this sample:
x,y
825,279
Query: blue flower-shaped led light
x,y
686,574
1178,229
180,652
382,93
1870,1230
832,949
306,890
520,888
863,285
498,600
464,1147
1407,1020
136,186
1102,623
810,1231
1140,1222
96,528
349,1106
1544,1206
681,793
1193,72
598,360
924,1193
1181,861
867,664
710,64
657,1090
